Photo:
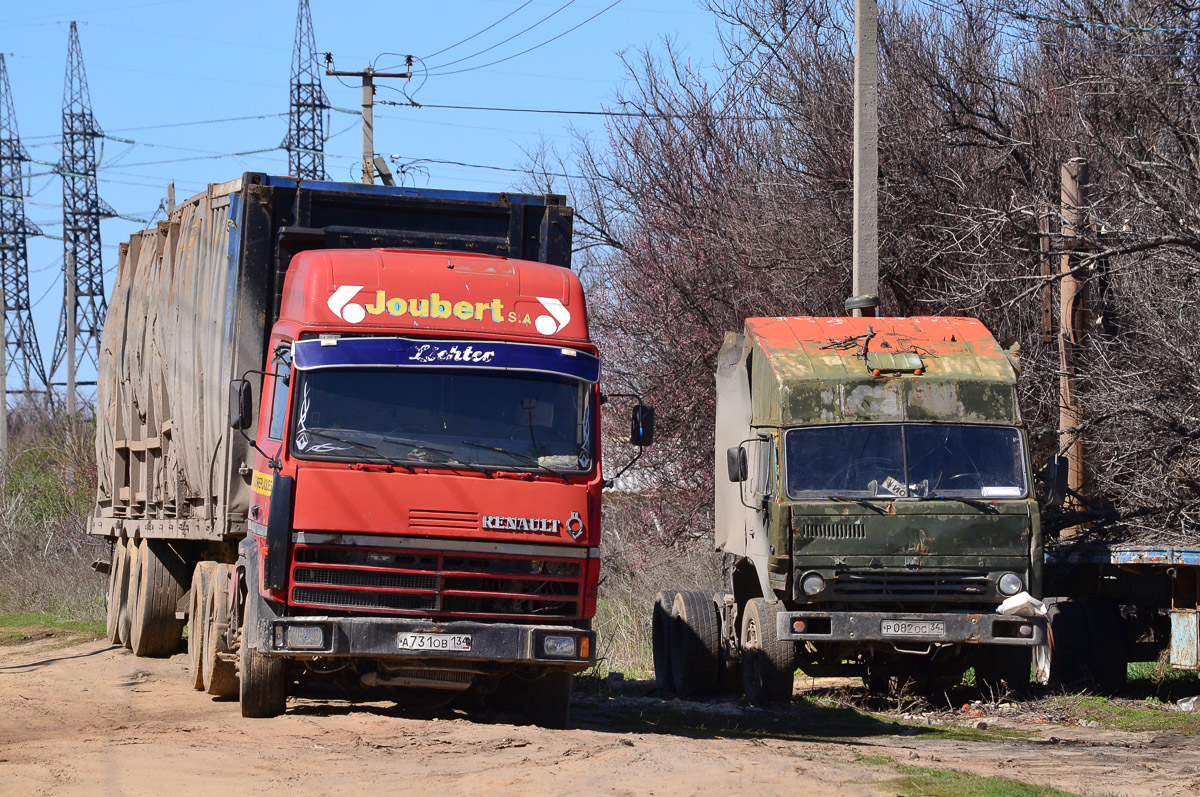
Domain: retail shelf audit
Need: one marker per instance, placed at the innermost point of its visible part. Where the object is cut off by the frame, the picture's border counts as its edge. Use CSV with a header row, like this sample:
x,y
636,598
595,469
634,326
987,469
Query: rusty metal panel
x,y
164,370
832,370
1125,555
1185,640
732,427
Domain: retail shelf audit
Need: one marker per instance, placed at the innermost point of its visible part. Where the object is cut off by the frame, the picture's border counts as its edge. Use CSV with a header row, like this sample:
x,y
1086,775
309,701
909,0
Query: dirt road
x,y
86,718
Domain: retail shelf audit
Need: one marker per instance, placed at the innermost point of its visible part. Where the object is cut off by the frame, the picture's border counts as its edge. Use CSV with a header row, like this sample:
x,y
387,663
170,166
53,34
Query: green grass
x,y
15,627
930,782
952,783
1128,715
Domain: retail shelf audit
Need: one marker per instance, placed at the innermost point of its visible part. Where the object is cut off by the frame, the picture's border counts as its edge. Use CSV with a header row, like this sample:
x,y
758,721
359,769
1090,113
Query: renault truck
x,y
352,432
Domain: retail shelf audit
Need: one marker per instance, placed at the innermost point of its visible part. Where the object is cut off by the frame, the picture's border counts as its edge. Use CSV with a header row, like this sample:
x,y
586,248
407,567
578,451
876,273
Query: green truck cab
x,y
875,498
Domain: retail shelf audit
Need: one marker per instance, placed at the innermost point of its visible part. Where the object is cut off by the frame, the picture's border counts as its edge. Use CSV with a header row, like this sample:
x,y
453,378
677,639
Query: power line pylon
x,y
21,350
305,140
82,210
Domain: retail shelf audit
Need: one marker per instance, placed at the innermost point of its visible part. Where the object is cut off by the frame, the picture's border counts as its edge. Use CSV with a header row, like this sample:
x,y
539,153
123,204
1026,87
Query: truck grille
x,y
912,585
832,531
444,584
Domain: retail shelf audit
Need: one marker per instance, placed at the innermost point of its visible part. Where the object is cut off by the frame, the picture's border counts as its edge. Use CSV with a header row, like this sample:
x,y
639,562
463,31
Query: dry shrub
x,y
639,560
47,486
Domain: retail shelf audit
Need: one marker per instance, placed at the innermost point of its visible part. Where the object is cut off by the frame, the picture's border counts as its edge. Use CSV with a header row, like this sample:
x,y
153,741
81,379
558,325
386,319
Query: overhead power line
x,y
171,124
544,19
480,32
552,39
565,112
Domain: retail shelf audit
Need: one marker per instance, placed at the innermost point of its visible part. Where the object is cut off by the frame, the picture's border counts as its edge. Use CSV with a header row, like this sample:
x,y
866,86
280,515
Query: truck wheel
x,y
877,678
695,644
159,587
220,676
660,640
1003,670
197,620
116,578
1060,663
129,591
1108,664
262,690
548,701
768,663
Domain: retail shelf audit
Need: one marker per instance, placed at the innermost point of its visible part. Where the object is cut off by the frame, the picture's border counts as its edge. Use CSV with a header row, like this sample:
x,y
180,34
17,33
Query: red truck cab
x,y
426,503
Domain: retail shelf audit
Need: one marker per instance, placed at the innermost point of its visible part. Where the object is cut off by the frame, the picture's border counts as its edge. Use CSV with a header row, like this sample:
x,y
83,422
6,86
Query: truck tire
x,y
262,682
768,663
660,641
1108,663
129,591
160,585
1003,670
1060,663
220,676
548,700
197,620
116,578
695,644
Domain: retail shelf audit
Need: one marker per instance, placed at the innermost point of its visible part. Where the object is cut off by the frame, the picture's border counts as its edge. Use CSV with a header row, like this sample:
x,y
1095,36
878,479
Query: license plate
x,y
433,641
913,628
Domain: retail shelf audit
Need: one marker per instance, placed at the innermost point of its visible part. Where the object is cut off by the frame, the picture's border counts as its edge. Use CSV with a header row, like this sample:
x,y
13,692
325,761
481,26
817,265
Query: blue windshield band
x,y
314,353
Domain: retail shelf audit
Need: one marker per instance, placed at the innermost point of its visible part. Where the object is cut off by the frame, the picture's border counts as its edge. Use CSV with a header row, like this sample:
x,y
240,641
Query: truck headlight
x,y
1010,584
812,583
559,646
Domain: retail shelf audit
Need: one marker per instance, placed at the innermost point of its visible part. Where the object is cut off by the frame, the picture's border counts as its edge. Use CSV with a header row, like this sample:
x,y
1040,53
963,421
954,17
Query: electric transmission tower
x,y
305,140
84,307
21,350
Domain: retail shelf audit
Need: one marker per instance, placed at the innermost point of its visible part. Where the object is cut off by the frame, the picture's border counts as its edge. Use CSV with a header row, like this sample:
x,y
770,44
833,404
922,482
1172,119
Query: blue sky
x,y
163,74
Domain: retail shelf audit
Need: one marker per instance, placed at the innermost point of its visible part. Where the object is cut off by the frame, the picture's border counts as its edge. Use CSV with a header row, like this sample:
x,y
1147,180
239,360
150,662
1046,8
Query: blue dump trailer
x,y
1112,604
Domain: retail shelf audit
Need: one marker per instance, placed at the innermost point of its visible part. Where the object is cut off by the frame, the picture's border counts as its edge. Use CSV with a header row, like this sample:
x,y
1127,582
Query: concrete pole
x,y
1072,321
368,76
368,126
71,300
866,158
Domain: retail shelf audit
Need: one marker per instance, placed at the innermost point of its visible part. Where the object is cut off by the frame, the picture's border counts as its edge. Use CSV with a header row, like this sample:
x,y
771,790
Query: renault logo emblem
x,y
575,526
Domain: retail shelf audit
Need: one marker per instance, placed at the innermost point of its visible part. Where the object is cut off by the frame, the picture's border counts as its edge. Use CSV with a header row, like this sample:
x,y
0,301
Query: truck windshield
x,y
906,461
444,417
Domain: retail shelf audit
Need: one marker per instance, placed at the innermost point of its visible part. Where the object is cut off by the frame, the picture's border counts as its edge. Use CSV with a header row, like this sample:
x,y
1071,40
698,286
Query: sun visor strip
x,y
315,354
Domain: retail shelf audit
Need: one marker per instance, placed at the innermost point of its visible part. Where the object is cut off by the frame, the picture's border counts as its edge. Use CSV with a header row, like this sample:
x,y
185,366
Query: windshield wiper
x,y
519,457
860,501
448,457
367,447
982,506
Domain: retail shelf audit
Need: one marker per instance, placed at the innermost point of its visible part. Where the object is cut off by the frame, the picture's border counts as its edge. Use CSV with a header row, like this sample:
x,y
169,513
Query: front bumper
x,y
379,638
918,627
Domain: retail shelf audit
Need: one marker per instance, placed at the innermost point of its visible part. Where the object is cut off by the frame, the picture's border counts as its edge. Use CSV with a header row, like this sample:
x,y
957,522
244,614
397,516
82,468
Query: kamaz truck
x,y
351,432
875,502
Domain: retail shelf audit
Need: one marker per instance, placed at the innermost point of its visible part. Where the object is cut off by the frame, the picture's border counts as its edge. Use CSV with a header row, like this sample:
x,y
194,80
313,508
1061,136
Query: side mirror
x,y
1054,482
642,430
241,406
735,462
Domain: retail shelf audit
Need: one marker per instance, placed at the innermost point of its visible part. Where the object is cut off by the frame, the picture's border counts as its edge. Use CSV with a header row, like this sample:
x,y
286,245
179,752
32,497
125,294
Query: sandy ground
x,y
81,717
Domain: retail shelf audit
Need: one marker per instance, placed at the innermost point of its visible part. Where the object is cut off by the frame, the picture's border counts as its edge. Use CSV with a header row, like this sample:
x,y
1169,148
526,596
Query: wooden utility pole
x,y
1046,268
72,295
368,76
1072,319
866,159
